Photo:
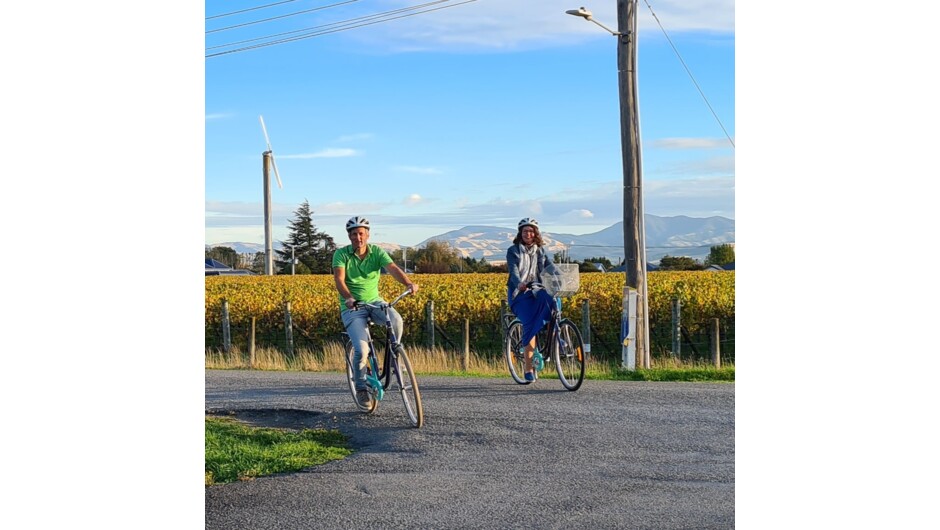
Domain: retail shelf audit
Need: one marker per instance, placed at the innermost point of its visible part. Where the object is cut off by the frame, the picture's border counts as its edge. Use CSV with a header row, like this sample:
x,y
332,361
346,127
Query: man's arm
x,y
402,278
339,278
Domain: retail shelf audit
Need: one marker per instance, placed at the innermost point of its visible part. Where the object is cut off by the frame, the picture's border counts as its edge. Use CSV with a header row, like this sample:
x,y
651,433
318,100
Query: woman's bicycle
x,y
379,375
561,339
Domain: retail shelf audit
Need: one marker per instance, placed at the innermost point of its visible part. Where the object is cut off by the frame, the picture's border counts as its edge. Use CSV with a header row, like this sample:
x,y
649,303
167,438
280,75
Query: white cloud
x,y
583,214
330,152
217,116
413,199
714,166
691,143
695,197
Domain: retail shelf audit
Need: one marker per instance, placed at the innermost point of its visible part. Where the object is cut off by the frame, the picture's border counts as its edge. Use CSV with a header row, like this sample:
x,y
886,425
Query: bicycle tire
x,y
350,352
514,352
569,356
408,386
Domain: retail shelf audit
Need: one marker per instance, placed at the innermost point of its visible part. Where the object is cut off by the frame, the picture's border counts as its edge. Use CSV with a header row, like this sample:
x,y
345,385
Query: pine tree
x,y
313,249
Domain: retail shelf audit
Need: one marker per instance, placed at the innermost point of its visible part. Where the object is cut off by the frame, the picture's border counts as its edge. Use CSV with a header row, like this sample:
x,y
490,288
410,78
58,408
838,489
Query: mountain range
x,y
665,236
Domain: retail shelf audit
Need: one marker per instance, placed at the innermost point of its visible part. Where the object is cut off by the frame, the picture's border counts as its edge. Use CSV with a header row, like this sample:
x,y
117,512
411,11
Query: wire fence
x,y
681,339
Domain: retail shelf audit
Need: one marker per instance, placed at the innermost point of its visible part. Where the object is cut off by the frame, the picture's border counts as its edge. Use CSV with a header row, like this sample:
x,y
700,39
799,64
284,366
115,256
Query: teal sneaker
x,y
538,362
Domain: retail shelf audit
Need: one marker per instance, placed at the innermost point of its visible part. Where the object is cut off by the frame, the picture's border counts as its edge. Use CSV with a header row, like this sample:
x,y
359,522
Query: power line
x,y
341,22
280,16
249,9
319,33
690,73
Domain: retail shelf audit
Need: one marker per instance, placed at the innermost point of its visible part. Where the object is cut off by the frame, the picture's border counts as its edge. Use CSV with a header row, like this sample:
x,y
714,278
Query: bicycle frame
x,y
560,343
395,361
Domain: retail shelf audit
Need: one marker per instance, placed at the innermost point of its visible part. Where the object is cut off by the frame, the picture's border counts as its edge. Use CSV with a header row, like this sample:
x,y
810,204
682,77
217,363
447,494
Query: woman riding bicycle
x,y
356,271
526,262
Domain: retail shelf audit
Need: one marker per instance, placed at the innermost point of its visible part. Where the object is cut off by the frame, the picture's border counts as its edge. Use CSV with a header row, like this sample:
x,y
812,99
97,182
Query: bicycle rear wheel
x,y
514,351
569,355
408,385
351,378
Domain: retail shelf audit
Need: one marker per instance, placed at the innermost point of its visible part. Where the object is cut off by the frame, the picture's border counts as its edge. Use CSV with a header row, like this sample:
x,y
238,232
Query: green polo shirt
x,y
362,275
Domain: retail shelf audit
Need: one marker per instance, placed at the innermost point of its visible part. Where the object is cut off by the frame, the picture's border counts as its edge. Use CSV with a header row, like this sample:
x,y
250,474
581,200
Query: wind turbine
x,y
267,159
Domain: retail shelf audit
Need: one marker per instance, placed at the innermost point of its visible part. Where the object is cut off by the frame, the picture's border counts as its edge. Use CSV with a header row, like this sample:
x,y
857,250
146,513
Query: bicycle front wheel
x,y
514,351
351,377
569,355
408,384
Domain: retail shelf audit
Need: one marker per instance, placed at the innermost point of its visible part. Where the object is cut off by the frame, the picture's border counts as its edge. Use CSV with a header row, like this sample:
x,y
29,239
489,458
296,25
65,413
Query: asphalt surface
x,y
491,455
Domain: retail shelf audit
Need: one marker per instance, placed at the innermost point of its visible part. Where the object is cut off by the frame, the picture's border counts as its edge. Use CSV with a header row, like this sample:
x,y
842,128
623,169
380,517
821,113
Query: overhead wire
x,y
280,16
690,73
248,9
349,25
357,19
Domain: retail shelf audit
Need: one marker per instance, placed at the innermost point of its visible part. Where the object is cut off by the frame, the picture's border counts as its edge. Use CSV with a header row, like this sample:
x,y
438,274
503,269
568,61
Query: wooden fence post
x,y
676,327
226,328
503,311
465,360
251,345
586,324
430,321
716,347
289,329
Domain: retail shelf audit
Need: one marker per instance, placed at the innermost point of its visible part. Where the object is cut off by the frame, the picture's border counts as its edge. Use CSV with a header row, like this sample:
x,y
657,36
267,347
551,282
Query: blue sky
x,y
476,114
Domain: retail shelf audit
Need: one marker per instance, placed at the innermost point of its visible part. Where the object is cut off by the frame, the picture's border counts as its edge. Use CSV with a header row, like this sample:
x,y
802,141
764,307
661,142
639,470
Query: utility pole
x,y
268,243
634,241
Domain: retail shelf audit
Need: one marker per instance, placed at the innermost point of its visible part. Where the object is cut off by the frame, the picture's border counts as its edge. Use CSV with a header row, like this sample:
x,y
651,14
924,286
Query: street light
x,y
634,233
587,15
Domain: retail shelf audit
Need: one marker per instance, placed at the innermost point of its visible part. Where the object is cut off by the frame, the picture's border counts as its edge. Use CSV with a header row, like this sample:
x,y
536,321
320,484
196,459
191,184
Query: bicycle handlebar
x,y
358,304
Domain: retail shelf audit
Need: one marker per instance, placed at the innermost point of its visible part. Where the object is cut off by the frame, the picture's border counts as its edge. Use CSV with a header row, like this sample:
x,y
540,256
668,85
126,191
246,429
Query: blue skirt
x,y
534,311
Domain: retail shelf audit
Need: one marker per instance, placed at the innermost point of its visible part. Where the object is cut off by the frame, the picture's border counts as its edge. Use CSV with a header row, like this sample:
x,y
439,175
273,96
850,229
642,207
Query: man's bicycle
x,y
379,375
561,339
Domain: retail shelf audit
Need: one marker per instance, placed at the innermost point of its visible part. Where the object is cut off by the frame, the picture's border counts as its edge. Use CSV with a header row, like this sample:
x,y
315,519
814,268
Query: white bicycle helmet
x,y
528,221
357,222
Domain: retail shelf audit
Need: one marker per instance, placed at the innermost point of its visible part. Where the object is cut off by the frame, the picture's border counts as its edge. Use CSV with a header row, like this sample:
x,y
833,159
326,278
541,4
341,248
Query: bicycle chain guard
x,y
376,385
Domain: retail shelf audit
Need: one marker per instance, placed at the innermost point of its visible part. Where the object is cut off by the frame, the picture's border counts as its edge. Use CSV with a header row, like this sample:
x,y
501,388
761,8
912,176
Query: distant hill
x,y
673,236
243,248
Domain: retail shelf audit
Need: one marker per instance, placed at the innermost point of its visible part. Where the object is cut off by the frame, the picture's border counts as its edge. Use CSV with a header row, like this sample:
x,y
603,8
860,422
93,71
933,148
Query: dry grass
x,y
423,360
330,359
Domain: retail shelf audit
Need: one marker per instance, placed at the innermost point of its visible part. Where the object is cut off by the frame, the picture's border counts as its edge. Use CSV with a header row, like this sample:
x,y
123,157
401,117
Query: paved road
x,y
492,455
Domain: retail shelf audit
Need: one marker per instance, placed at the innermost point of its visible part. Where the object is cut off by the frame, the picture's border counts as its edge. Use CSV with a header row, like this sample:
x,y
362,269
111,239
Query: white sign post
x,y
628,329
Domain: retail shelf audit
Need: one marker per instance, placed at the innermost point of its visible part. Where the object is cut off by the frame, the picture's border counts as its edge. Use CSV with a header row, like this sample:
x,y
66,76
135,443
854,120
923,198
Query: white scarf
x,y
528,263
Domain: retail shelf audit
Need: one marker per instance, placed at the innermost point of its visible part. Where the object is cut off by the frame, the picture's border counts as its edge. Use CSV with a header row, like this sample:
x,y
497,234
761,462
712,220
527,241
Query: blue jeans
x,y
357,326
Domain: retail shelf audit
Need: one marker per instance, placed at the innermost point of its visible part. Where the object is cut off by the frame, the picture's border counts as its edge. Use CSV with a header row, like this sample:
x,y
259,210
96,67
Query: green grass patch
x,y
235,451
675,374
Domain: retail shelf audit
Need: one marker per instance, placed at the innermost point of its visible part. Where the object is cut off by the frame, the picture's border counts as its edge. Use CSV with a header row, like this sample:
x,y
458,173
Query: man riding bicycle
x,y
356,271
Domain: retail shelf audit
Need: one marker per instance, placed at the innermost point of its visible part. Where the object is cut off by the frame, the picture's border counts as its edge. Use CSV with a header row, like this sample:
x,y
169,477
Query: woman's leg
x,y
529,349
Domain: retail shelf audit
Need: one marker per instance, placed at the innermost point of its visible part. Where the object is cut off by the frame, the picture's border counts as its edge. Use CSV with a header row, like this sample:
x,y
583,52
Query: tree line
x,y
312,253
